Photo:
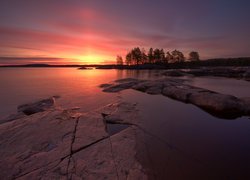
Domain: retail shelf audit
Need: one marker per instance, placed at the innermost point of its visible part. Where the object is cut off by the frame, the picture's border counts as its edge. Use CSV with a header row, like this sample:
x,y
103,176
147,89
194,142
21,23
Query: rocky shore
x,y
228,72
219,105
46,142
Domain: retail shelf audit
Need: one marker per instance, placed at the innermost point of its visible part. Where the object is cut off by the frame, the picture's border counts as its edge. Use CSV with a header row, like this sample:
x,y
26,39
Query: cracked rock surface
x,y
67,144
219,105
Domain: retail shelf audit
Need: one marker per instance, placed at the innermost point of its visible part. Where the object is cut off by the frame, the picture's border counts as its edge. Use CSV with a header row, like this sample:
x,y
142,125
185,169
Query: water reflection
x,y
80,87
238,88
76,87
139,74
189,143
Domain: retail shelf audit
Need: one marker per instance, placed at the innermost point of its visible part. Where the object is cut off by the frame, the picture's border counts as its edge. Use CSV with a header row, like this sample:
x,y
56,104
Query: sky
x,y
96,31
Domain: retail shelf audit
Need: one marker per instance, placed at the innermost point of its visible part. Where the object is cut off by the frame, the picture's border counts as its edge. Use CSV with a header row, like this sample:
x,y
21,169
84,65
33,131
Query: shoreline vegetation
x,y
218,62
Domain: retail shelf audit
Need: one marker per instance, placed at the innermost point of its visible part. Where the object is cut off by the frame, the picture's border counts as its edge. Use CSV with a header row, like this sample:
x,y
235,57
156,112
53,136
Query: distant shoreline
x,y
244,61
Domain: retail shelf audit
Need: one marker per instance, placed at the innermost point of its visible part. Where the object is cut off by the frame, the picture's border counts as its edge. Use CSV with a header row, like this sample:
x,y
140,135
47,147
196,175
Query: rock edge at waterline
x,y
219,105
55,143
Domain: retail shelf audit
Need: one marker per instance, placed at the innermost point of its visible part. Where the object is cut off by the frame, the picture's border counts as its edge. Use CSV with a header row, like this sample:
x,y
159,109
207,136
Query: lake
x,y
77,87
186,142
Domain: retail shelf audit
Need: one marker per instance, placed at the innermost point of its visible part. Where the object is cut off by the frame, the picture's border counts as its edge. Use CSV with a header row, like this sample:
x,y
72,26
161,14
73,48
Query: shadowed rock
x,y
36,107
31,108
220,105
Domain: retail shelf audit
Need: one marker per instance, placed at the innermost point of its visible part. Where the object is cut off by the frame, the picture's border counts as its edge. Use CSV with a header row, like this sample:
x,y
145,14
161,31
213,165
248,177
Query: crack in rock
x,y
71,145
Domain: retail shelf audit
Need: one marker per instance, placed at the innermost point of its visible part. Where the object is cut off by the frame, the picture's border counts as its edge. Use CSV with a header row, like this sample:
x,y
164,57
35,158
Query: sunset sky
x,y
95,31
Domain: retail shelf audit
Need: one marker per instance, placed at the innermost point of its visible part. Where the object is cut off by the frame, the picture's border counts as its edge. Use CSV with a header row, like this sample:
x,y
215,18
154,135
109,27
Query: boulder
x,y
36,107
149,87
220,104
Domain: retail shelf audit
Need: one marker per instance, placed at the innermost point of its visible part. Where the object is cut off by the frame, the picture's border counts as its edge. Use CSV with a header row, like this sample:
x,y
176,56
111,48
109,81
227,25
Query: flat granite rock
x,y
35,141
111,158
66,144
220,105
121,113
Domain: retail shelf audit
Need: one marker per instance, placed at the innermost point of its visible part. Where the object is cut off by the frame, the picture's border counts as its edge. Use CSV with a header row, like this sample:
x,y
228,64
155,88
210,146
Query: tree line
x,y
138,56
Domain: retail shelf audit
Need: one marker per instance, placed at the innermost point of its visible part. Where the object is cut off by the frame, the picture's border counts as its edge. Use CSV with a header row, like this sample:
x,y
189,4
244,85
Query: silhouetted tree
x,y
178,56
151,55
144,56
162,56
136,55
157,55
194,56
169,57
129,59
119,60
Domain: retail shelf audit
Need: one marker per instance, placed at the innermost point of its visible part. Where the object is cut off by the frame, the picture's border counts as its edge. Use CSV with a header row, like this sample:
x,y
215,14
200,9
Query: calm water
x,y
76,87
189,143
184,142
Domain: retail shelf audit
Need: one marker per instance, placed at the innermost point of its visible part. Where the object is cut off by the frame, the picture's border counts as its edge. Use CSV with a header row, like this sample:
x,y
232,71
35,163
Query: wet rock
x,y
36,107
174,73
179,93
119,87
220,105
149,87
121,84
126,80
105,85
